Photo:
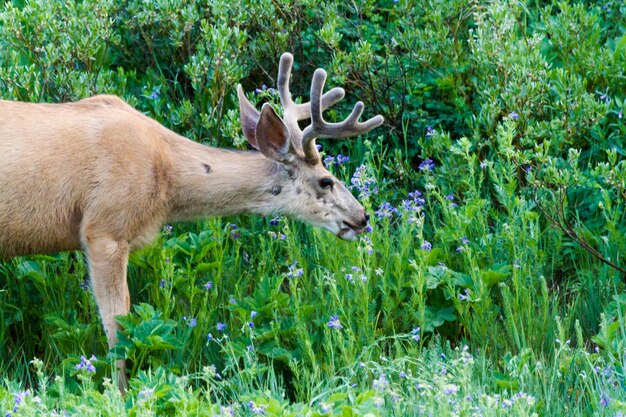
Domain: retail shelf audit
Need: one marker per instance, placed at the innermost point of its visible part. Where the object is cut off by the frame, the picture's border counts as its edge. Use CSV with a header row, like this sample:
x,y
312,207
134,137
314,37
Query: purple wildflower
x,y
385,210
334,323
257,409
86,364
208,285
338,160
450,197
426,245
605,400
234,234
513,115
85,284
20,397
414,202
450,389
364,184
427,165
294,271
275,221
465,297
381,383
416,334
273,235
342,159
220,327
263,89
429,131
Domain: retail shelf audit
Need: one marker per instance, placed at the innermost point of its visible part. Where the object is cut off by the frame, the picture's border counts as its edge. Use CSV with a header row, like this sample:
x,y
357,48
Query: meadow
x,y
491,283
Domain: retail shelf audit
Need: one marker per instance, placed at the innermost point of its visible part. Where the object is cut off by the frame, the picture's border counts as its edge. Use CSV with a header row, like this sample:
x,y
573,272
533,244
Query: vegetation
x,y
492,282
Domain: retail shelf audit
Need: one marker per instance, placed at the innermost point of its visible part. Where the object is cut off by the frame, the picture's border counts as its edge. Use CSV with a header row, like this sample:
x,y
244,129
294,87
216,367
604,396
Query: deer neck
x,y
207,181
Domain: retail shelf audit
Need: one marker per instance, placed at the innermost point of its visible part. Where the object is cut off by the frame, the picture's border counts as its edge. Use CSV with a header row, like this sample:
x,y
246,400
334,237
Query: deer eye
x,y
326,183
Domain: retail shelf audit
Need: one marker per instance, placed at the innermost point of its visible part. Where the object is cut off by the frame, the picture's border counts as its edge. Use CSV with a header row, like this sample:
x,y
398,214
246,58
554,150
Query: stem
x,y
561,223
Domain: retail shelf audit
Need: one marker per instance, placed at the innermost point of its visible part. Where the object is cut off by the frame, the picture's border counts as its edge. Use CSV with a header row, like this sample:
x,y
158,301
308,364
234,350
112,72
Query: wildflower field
x,y
491,283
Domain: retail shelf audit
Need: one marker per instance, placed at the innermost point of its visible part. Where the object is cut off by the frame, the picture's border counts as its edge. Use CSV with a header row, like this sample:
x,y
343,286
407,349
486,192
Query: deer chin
x,y
349,231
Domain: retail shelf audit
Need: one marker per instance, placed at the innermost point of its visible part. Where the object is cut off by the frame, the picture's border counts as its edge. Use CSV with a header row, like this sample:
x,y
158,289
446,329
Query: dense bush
x,y
499,212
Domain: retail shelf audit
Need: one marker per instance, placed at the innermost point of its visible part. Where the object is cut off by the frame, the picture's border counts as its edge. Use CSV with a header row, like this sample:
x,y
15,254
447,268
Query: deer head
x,y
310,192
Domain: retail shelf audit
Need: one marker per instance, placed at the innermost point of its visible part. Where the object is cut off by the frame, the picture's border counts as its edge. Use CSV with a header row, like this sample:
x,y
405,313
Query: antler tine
x,y
319,128
299,111
284,72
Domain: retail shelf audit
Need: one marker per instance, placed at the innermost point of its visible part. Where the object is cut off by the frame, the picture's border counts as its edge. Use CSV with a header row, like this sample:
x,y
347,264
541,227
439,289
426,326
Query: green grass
x,y
519,347
513,245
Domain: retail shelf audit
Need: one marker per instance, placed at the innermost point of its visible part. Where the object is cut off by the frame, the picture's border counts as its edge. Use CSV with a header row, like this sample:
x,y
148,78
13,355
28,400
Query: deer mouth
x,y
349,231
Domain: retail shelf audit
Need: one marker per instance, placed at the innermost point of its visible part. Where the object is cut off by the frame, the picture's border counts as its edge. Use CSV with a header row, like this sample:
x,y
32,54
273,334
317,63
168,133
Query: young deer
x,y
97,175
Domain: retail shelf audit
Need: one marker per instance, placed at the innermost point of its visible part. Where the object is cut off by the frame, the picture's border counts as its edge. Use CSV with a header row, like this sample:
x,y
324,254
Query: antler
x,y
319,128
293,112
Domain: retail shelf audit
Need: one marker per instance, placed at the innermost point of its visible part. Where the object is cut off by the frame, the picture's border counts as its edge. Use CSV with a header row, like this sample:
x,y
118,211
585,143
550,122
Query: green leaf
x,y
339,396
32,270
434,317
493,276
506,382
207,266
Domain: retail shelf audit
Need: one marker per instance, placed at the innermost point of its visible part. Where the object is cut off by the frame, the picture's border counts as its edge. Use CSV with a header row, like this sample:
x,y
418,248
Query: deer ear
x,y
272,135
249,117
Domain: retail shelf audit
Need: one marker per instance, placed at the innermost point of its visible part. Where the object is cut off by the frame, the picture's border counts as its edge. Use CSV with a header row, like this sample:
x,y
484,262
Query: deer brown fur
x,y
98,175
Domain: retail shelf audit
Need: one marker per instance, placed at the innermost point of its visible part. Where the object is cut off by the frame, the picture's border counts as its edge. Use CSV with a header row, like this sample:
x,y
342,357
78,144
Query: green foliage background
x,y
519,104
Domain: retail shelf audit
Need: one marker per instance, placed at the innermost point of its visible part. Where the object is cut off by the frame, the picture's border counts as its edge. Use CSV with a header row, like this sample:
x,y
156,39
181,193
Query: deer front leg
x,y
108,261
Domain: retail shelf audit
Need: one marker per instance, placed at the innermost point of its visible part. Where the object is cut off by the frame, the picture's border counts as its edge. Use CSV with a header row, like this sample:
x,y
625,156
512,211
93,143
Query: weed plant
x,y
491,282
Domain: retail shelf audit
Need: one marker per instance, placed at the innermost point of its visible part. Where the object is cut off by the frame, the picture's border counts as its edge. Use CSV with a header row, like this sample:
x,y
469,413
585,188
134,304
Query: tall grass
x,y
491,282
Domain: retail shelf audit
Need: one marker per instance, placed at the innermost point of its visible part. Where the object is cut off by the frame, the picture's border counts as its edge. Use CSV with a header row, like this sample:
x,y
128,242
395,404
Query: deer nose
x,y
366,218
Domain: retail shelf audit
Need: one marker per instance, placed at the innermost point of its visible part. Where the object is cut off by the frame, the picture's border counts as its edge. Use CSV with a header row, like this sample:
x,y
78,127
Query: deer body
x,y
66,166
100,161
98,175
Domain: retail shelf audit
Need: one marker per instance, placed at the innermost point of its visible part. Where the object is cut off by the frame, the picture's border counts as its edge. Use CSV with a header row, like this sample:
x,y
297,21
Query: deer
x,y
99,176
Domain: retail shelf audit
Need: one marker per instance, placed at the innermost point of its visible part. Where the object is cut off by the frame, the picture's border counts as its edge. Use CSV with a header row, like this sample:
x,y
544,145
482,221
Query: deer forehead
x,y
305,170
